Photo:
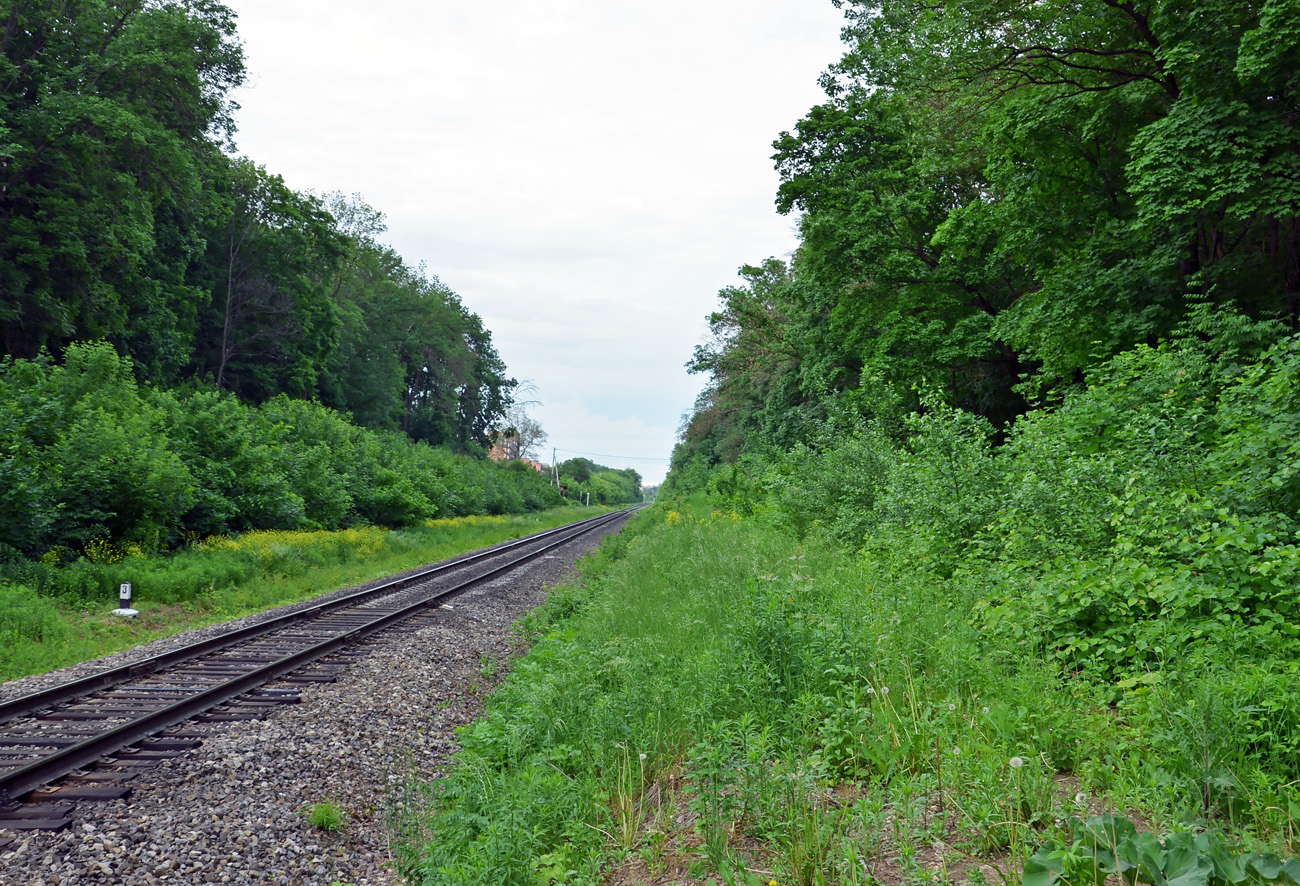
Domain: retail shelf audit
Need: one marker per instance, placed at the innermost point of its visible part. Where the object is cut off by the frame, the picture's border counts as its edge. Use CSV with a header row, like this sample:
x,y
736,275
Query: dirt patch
x,y
671,849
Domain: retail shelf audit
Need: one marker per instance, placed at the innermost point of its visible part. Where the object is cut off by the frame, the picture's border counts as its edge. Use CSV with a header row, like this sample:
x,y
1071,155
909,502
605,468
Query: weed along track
x,y
90,740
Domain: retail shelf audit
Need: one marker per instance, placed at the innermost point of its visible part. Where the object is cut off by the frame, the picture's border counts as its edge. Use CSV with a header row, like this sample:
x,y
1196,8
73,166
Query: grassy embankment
x,y
721,700
220,579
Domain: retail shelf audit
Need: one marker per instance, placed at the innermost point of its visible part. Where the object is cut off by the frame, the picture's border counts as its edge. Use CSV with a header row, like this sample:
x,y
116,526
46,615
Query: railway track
x,y
87,739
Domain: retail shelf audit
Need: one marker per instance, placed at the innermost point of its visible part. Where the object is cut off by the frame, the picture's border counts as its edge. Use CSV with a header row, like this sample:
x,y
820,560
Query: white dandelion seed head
x,y
956,752
871,690
952,707
986,710
1016,762
642,756
884,690
1081,798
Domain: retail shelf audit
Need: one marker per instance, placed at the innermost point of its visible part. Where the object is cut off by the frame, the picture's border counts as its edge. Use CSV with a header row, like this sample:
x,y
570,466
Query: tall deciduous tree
x,y
996,196
1140,155
110,110
904,294
759,354
271,324
409,355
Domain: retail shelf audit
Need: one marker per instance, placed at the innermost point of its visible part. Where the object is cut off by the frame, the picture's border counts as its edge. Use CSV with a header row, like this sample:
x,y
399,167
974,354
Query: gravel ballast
x,y
232,810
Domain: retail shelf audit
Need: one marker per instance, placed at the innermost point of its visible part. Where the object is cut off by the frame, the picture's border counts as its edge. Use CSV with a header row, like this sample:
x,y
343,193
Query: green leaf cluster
x,y
1106,846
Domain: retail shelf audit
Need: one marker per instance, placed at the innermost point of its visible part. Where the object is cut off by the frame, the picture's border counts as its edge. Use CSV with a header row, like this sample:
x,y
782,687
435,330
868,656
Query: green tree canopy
x,y
111,111
995,197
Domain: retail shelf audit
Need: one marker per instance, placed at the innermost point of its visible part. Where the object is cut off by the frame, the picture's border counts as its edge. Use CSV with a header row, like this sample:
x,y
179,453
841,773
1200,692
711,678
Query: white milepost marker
x,y
124,602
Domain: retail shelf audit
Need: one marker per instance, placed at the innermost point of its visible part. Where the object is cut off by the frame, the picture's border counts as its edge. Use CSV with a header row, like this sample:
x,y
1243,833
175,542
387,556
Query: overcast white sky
x,y
585,174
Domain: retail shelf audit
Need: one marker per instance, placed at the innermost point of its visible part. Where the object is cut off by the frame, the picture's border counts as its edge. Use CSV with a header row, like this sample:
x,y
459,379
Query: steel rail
x,y
24,779
42,699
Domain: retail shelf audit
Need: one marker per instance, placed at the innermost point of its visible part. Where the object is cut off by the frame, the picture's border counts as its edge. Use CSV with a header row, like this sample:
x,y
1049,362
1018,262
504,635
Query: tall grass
x,y
722,697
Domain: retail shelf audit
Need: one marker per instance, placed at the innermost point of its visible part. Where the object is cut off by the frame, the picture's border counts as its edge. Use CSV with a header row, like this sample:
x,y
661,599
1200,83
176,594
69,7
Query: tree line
x,y
607,486
126,217
994,198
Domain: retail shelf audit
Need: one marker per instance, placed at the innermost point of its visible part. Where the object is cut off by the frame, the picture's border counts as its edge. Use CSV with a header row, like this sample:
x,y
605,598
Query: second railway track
x,y
137,711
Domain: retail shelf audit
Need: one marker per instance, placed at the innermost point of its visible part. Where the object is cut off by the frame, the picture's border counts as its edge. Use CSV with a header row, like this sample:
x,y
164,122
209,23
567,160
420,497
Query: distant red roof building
x,y
507,449
504,448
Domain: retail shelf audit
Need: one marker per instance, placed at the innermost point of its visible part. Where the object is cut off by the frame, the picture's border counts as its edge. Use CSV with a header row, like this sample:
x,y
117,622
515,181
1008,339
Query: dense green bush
x,y
1155,506
87,456
84,455
1257,464
1140,535
1151,510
